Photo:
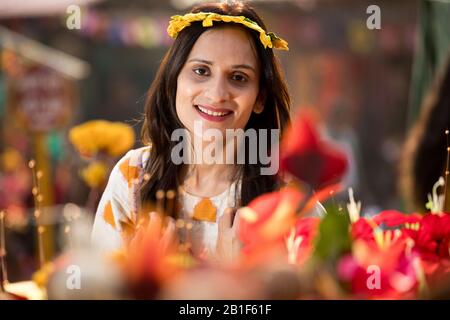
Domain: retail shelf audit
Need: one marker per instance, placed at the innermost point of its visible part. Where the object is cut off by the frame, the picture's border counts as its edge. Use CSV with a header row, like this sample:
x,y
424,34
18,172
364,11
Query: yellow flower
x,y
265,40
121,138
95,174
178,23
208,22
41,276
280,44
96,136
11,160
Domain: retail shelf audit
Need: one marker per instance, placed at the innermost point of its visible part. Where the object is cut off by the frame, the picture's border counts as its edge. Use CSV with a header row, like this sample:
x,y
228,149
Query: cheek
x,y
186,93
247,103
187,89
183,96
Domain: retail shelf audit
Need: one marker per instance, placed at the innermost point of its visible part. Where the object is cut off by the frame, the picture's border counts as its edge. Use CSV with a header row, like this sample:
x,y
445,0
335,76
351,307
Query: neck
x,y
207,180
202,173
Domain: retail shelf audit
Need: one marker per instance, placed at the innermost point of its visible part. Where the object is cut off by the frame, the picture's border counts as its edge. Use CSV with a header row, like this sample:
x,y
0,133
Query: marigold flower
x,y
95,174
96,136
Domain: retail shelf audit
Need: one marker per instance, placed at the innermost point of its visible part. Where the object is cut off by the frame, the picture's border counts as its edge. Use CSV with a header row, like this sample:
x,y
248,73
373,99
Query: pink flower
x,y
380,273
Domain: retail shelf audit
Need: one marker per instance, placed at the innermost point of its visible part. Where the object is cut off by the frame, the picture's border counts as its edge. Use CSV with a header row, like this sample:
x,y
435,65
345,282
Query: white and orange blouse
x,y
117,213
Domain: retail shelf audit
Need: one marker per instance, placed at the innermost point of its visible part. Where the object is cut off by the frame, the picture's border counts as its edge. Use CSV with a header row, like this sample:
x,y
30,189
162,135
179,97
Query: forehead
x,y
227,45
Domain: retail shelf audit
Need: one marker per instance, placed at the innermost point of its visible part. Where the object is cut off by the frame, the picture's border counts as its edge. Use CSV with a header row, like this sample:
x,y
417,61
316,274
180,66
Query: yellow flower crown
x,y
268,39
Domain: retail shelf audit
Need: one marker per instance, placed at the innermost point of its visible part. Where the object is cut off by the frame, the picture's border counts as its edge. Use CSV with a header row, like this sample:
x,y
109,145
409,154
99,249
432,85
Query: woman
x,y
220,73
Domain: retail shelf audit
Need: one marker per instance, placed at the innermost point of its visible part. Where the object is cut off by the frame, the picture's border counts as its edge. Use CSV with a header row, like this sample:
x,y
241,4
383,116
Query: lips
x,y
213,114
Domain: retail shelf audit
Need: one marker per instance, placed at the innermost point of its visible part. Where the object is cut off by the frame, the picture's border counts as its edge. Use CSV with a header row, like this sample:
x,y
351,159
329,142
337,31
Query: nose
x,y
217,89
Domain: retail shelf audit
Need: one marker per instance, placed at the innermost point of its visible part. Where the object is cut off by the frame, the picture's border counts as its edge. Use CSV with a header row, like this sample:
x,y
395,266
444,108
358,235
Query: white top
x,y
204,233
119,205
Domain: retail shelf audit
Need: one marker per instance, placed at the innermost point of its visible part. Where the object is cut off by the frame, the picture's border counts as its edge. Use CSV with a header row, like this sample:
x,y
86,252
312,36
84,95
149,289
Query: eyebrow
x,y
236,66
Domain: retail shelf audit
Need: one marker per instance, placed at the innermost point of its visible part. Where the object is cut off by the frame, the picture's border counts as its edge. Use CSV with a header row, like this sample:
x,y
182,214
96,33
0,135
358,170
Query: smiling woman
x,y
220,72
220,82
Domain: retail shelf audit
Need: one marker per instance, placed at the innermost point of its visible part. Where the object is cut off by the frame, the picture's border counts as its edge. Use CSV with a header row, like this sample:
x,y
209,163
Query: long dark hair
x,y
425,150
161,118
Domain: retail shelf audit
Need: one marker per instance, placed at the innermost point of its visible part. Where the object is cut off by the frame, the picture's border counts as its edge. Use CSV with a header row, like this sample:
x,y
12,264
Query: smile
x,y
213,115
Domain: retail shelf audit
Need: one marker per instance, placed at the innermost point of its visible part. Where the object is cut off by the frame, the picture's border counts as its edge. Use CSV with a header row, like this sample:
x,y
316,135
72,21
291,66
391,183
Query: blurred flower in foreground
x,y
299,244
269,216
308,158
100,136
429,234
272,224
151,257
411,252
388,271
266,221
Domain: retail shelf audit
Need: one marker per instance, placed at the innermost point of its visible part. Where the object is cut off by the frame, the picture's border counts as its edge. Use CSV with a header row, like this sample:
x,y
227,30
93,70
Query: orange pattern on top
x,y
205,210
129,172
108,215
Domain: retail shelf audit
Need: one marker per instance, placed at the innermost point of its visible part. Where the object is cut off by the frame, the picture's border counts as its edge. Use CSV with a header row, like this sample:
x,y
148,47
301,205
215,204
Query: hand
x,y
228,244
154,229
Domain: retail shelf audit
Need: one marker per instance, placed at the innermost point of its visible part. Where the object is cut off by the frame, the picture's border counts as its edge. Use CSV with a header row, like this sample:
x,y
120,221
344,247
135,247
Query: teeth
x,y
212,113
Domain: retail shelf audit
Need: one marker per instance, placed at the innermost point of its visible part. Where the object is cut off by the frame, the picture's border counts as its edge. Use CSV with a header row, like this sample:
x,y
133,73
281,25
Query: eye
x,y
239,77
201,71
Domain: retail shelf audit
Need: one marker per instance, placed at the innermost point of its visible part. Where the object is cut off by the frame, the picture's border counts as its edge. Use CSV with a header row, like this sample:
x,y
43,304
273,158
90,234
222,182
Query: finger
x,y
236,242
237,218
225,221
138,236
153,227
153,216
169,234
155,222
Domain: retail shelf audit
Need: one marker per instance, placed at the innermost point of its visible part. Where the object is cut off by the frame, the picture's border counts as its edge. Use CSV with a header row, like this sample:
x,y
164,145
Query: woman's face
x,y
219,83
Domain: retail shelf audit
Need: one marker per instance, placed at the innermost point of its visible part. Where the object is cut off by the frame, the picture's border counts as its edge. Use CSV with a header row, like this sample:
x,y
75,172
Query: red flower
x,y
432,242
433,236
363,228
380,273
265,222
429,235
299,244
308,158
269,217
393,218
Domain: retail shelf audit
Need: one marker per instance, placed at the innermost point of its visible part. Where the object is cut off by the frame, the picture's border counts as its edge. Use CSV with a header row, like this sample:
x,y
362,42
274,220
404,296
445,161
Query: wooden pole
x,y
3,270
45,197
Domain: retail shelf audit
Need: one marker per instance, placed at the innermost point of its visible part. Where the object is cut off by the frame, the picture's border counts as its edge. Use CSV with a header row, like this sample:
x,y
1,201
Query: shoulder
x,y
132,164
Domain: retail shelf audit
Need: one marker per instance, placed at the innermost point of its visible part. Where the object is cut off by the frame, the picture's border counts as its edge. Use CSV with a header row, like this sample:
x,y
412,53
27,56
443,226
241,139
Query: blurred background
x,y
367,85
